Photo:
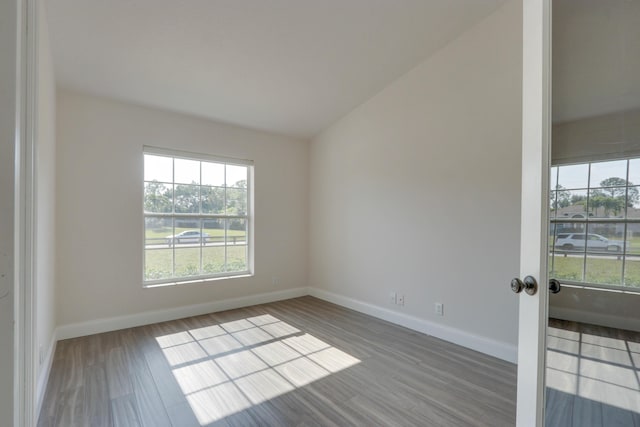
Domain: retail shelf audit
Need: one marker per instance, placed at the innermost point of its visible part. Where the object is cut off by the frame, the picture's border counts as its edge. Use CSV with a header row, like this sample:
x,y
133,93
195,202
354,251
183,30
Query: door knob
x,y
529,285
554,286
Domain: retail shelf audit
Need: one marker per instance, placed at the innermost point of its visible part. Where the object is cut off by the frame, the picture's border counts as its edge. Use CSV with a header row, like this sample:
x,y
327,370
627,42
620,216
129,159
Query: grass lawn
x,y
158,262
598,270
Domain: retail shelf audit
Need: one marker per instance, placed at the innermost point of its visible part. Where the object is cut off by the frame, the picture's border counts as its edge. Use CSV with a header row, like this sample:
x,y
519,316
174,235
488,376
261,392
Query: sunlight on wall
x,y
602,369
223,369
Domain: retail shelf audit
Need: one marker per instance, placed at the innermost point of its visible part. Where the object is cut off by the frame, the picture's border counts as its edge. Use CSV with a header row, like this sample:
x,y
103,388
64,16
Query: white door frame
x,y
24,287
536,137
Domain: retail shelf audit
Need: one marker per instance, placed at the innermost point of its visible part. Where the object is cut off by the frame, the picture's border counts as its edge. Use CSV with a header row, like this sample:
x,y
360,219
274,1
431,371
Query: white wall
x,y
99,202
418,191
8,60
45,200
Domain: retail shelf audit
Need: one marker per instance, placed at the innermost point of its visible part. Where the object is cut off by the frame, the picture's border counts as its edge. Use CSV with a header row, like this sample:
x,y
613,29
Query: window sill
x,y
194,280
600,288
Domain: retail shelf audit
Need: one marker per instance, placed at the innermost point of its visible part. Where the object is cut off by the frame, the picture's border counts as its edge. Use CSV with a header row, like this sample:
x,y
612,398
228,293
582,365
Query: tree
x,y
615,196
618,187
187,198
563,198
157,197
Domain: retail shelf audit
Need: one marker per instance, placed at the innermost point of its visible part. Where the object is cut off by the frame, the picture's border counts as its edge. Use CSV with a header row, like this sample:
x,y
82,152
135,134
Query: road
x,y
195,245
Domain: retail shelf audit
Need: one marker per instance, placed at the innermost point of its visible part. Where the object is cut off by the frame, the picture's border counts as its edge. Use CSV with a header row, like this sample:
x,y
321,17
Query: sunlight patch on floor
x,y
226,368
598,368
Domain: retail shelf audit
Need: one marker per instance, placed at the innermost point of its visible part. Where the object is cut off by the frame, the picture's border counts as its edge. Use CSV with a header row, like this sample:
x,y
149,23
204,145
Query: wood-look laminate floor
x,y
593,376
291,363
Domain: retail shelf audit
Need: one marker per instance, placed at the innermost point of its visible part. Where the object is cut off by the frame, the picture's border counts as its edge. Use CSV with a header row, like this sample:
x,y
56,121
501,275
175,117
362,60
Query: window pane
x,y
236,176
553,178
187,198
604,253
158,264
632,272
632,260
633,240
158,198
608,174
156,231
158,168
187,233
187,261
634,171
568,266
236,201
237,258
213,174
187,171
604,269
158,257
553,206
607,202
573,176
571,203
215,230
236,231
633,202
213,259
212,200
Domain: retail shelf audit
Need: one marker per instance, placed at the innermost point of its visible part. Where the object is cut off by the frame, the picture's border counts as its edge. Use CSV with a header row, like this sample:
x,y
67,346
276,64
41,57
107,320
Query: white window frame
x,y
249,218
589,160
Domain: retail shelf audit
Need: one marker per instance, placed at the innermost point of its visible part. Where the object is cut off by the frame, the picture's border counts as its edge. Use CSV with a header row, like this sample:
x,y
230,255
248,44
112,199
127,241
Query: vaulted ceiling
x,y
287,66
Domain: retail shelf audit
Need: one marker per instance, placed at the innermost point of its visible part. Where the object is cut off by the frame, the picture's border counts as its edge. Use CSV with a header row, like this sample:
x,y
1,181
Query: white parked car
x,y
189,236
595,242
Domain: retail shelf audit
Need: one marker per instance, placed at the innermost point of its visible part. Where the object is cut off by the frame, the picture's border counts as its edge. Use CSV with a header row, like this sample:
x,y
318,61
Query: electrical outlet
x,y
400,300
392,297
439,308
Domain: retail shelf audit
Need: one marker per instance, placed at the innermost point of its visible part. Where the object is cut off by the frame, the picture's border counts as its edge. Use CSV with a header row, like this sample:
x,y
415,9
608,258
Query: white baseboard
x,y
609,320
45,370
479,343
97,326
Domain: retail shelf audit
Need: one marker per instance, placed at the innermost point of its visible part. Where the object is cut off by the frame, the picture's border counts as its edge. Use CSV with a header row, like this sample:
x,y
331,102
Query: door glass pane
x,y
608,174
607,202
596,118
572,177
634,171
632,258
553,178
571,204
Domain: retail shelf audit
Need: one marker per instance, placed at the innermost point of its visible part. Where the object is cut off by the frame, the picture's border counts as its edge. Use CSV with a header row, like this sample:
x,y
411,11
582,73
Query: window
x,y
595,223
197,221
